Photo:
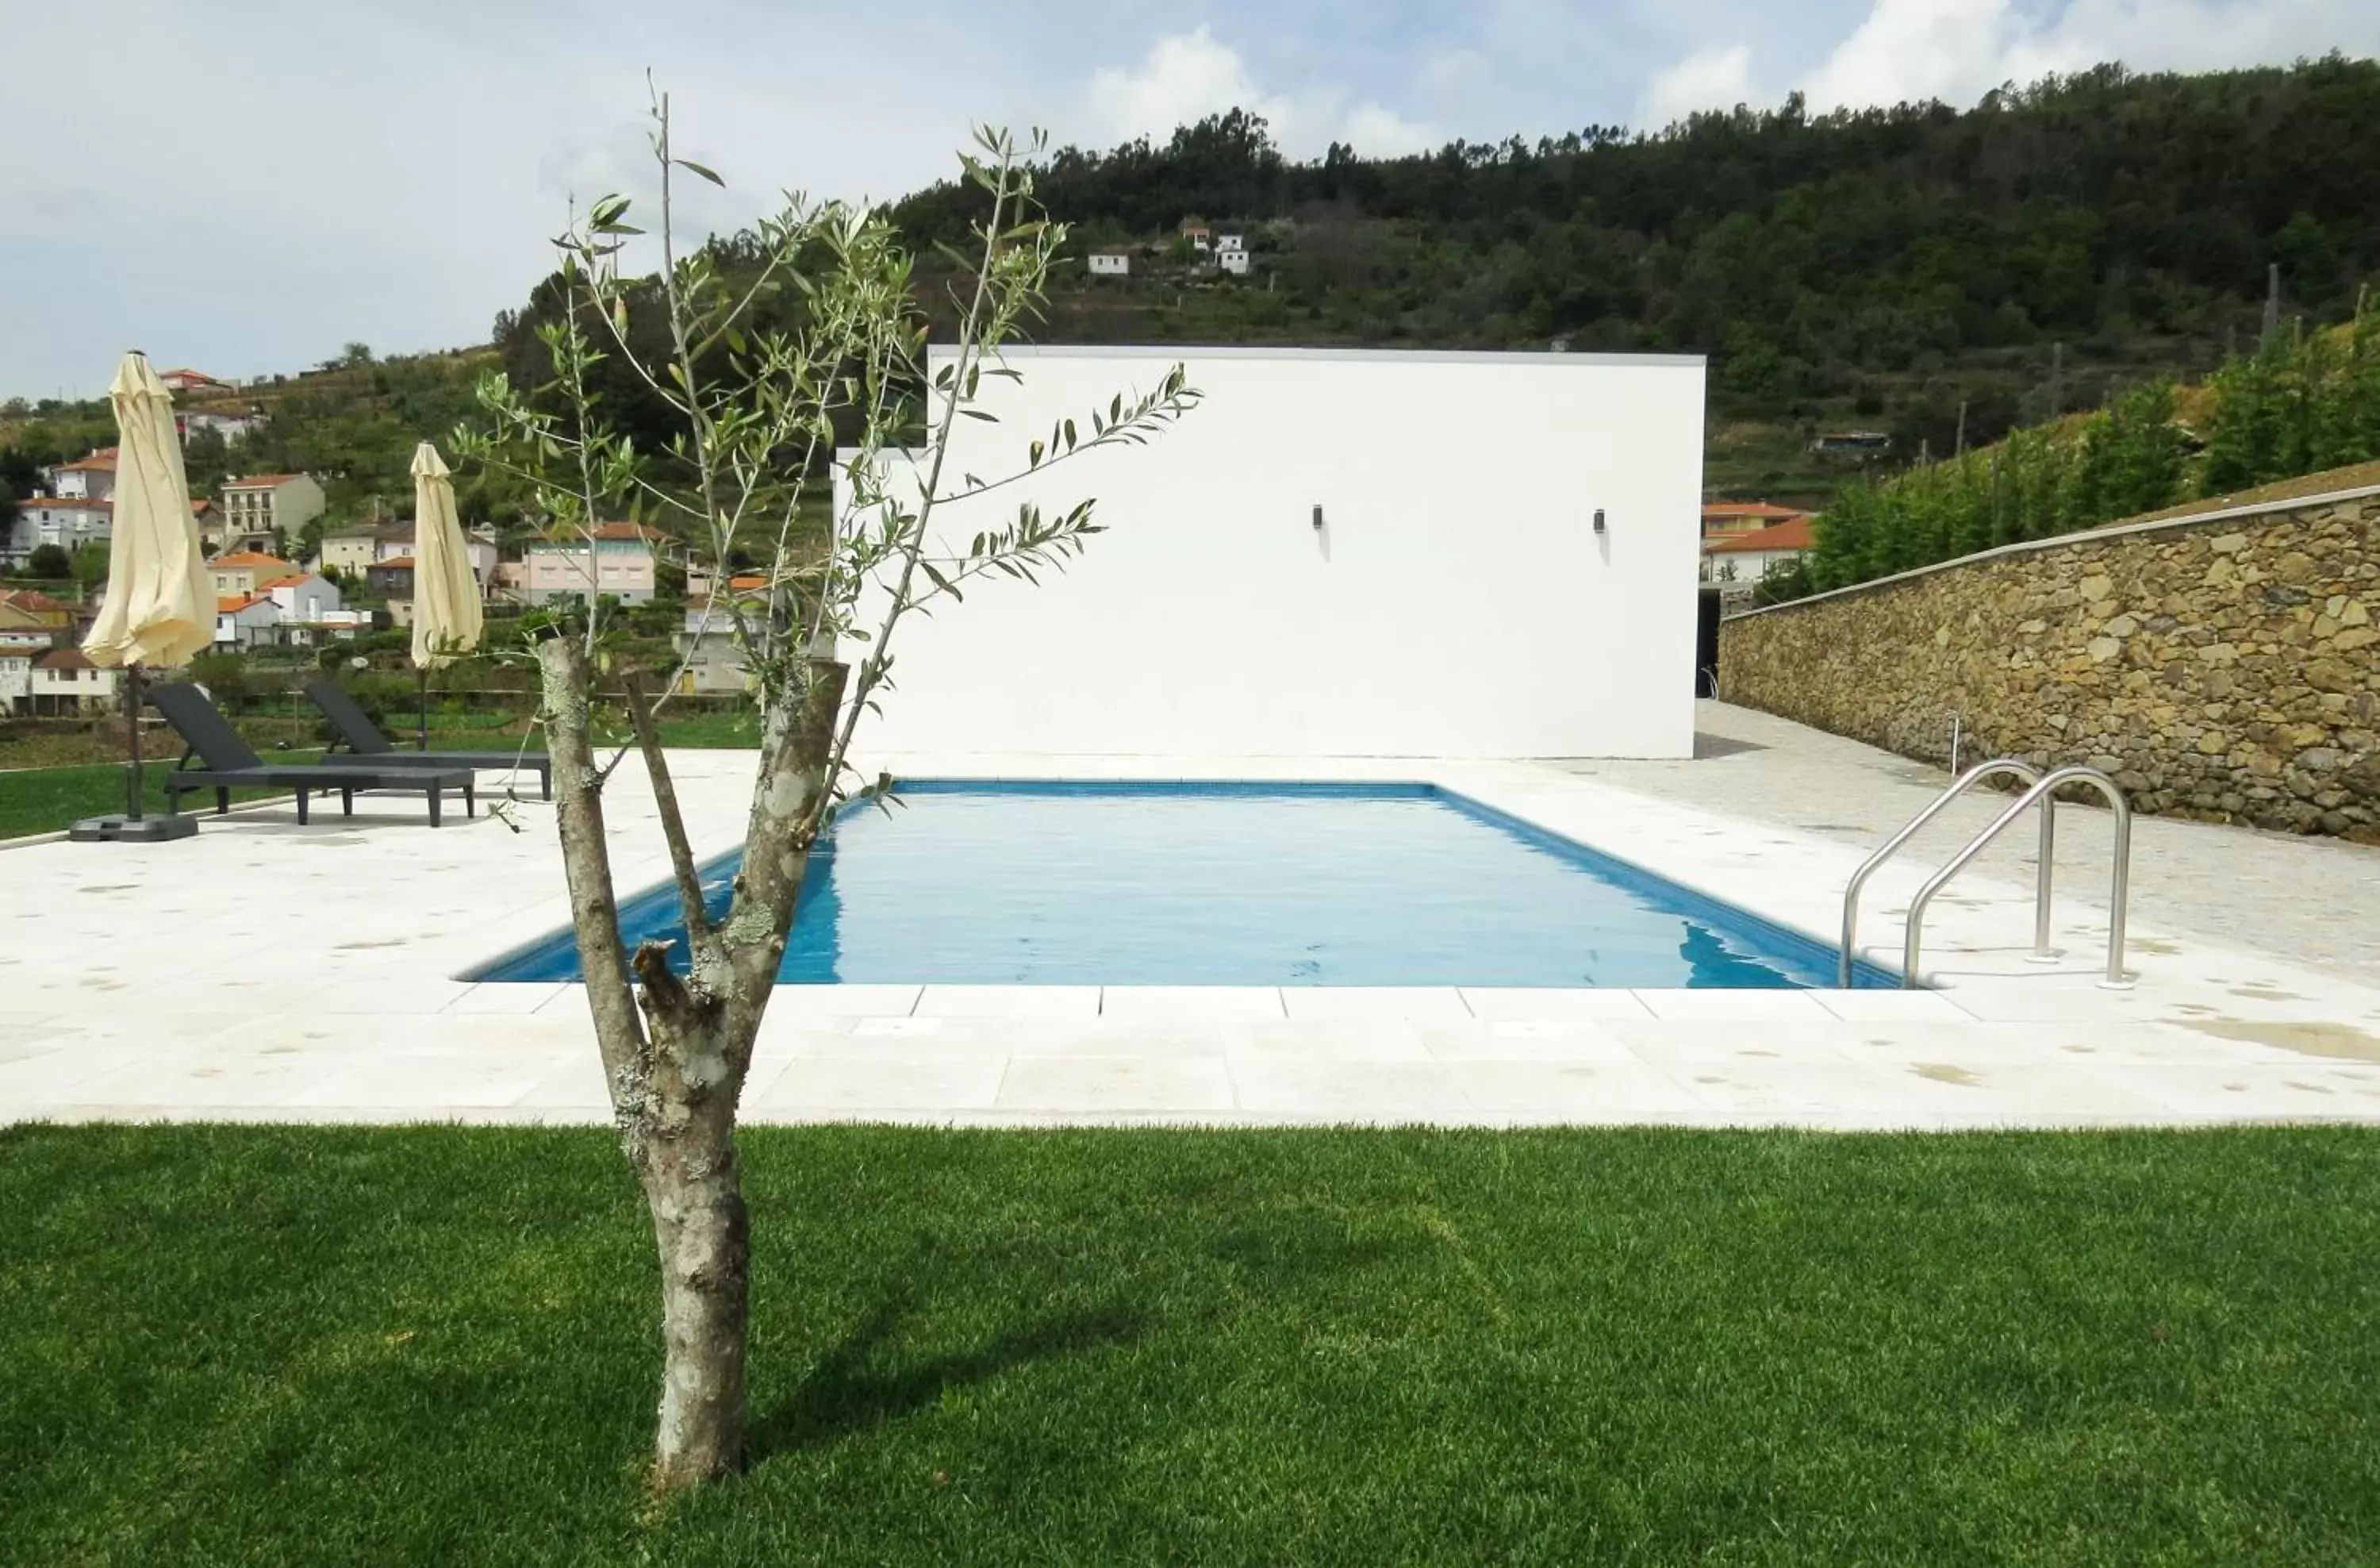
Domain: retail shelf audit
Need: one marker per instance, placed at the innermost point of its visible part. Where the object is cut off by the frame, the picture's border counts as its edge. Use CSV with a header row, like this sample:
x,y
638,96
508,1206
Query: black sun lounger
x,y
225,763
367,747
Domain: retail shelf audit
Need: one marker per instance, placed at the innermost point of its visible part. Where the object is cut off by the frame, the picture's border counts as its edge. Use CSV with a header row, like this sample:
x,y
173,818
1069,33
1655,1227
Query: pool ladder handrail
x,y
2043,793
1891,846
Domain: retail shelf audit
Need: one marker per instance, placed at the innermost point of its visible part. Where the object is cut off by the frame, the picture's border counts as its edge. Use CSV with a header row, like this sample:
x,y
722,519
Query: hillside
x,y
1877,269
1883,269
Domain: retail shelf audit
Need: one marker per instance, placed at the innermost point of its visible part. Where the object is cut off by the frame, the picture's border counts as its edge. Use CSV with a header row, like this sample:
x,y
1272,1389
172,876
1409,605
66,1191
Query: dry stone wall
x,y
2224,667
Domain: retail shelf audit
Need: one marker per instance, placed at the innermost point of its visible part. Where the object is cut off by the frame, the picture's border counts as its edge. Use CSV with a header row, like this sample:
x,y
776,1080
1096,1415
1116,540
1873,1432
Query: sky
x,y
245,186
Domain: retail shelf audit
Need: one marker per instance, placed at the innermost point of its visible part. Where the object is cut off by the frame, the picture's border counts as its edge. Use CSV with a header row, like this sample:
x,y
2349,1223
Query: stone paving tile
x,y
1537,1004
1116,1083
1395,1090
1340,1003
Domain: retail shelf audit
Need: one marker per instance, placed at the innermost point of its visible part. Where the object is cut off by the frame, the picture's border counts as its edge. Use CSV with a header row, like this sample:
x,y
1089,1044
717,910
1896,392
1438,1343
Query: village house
x,y
1201,239
1110,264
67,522
272,503
614,559
244,620
300,610
17,678
1231,256
189,381
26,609
65,683
86,478
1744,556
711,660
1721,517
231,426
242,573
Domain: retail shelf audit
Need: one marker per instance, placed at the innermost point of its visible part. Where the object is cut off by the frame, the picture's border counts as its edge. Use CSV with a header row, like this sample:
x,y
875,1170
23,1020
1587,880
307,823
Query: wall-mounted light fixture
x,y
1598,519
1317,514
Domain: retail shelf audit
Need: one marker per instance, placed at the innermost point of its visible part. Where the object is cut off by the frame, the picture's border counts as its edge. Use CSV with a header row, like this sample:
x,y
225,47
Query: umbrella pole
x,y
132,779
422,675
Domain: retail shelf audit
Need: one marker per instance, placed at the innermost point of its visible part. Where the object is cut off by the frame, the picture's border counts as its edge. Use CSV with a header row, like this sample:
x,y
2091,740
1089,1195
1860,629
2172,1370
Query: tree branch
x,y
681,854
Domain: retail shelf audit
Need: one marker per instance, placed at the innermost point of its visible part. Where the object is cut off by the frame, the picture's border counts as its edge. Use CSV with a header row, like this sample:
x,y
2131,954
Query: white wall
x,y
1456,602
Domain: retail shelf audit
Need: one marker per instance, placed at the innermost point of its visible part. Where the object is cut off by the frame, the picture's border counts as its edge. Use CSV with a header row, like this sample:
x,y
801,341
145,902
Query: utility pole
x,y
2057,380
1961,450
2272,303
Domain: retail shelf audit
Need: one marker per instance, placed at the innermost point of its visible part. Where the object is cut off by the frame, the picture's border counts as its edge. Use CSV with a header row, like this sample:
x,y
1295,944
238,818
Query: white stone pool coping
x,y
267,972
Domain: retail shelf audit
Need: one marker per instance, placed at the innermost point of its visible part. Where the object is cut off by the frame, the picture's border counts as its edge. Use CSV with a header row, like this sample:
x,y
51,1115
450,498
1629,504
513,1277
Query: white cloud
x,y
1383,133
1187,76
1958,50
1713,79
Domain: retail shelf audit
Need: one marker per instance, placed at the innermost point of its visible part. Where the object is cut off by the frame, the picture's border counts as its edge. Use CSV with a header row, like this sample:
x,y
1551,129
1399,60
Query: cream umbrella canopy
x,y
161,603
446,617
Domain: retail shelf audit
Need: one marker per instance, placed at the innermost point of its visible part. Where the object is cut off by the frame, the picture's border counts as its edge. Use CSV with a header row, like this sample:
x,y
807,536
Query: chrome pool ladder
x,y
2041,790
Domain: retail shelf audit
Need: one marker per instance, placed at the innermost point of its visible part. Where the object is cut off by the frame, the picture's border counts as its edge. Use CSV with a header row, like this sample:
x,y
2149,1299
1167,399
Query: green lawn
x,y
42,800
434,1345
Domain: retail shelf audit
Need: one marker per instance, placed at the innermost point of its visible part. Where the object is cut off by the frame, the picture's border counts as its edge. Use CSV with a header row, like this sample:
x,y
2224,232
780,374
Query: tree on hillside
x,y
756,412
89,565
206,459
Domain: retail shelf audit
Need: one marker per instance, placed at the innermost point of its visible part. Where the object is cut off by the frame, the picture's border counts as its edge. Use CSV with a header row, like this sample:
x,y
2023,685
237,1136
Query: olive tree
x,y
765,374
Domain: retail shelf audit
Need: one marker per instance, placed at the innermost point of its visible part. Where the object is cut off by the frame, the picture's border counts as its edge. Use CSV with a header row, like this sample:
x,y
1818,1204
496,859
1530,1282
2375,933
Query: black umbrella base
x,y
131,830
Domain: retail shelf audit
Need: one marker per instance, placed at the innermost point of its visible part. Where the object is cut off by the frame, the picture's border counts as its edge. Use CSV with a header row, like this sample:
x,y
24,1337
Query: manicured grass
x,y
42,800
316,1345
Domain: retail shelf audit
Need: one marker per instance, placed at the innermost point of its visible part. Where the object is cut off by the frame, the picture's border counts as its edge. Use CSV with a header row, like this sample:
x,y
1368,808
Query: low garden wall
x,y
2223,666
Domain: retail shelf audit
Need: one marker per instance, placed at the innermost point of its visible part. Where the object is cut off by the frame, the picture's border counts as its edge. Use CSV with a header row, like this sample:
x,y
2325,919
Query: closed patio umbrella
x,y
161,603
447,618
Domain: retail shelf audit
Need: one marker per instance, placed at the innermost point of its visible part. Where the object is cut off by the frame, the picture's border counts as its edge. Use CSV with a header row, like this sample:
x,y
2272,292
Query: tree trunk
x,y
695,1188
676,1068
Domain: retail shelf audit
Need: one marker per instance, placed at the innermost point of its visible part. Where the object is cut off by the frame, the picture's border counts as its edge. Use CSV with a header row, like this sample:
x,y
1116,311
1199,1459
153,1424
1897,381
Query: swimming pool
x,y
1278,884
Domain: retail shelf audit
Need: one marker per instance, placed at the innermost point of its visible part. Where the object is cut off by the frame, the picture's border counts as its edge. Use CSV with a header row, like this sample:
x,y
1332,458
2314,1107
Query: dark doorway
x,y
1707,642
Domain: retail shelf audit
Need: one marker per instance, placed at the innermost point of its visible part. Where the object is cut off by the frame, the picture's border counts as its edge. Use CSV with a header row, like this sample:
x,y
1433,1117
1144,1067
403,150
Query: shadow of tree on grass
x,y
852,1388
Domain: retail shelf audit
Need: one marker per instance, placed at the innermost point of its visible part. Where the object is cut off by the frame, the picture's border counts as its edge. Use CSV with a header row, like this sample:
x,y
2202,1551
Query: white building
x,y
1231,242
64,682
86,478
17,677
1110,264
297,609
1232,258
270,503
231,426
1743,558
1305,564
66,521
245,620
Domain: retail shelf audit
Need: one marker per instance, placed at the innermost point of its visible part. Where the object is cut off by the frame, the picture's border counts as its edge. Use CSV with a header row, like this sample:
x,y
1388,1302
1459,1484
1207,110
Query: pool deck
x,y
266,972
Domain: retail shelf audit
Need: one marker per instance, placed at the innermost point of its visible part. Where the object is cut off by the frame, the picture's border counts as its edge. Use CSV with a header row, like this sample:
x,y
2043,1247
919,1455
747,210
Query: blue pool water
x,y
1229,885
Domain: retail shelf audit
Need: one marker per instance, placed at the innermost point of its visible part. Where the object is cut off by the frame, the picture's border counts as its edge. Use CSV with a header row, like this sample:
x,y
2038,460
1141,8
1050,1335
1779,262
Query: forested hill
x,y
1880,267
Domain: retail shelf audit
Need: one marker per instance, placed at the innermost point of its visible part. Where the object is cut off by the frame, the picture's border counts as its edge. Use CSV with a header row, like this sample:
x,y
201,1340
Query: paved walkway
x,y
265,971
2315,901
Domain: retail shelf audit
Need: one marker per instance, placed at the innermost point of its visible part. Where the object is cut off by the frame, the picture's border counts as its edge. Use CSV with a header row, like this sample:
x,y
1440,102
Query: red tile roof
x,y
31,599
101,461
292,579
230,604
1750,509
1793,535
64,659
82,502
252,560
404,562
